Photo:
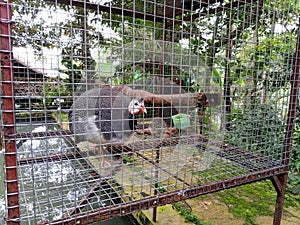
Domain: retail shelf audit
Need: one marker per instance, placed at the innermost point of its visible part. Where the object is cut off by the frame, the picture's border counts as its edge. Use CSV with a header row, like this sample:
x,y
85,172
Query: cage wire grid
x,y
219,82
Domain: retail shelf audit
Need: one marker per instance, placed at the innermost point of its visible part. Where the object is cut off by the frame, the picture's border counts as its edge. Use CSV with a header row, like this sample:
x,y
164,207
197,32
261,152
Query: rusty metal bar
x,y
52,158
225,151
6,59
280,183
163,198
84,199
40,135
292,105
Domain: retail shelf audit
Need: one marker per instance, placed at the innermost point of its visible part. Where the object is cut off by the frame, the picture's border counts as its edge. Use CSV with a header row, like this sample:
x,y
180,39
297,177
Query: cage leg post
x,y
280,180
154,215
279,183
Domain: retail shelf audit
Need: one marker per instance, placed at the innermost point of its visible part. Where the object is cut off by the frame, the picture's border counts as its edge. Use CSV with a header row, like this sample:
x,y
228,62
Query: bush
x,y
258,129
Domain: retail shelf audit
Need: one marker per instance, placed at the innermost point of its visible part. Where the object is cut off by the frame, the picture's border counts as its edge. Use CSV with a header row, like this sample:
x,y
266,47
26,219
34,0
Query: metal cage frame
x,y
278,174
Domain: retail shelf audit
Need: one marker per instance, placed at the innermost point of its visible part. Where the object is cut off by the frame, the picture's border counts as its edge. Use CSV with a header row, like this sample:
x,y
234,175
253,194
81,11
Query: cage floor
x,y
59,181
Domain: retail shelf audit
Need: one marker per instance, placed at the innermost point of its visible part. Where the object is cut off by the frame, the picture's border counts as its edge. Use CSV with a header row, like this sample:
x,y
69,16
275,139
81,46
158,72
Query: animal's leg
x,y
100,152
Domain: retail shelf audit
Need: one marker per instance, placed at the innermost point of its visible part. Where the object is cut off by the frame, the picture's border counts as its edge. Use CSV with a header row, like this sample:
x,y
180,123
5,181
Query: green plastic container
x,y
181,120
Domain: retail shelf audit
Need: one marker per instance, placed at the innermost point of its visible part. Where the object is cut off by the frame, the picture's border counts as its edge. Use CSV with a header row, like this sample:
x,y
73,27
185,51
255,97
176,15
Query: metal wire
x,y
215,79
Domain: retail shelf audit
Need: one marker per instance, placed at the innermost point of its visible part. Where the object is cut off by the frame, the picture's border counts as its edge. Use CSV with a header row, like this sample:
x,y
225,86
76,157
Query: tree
x,y
44,24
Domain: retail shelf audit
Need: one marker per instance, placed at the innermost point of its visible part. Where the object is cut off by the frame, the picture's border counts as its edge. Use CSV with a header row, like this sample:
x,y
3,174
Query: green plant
x,y
128,159
74,74
258,128
294,173
187,213
249,201
294,183
253,200
58,90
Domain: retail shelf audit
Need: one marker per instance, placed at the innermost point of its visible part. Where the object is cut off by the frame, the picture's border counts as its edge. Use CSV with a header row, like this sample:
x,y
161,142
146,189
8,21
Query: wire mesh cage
x,y
112,107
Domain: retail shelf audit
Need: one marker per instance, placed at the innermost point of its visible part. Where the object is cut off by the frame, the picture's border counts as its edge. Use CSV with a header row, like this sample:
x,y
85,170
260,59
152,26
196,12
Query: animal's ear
x,y
141,100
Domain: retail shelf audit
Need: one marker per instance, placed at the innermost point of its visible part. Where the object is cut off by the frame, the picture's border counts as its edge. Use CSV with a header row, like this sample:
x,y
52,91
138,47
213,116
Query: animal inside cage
x,y
113,107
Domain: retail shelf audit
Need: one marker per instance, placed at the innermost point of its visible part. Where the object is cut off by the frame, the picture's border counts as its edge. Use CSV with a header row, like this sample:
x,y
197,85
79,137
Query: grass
x,y
252,200
218,172
186,212
249,201
246,202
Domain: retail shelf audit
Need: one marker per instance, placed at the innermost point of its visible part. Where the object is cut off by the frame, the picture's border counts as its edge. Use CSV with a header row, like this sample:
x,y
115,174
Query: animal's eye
x,y
136,103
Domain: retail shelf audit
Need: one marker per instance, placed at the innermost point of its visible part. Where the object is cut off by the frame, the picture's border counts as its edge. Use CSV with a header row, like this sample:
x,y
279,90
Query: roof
x,y
47,64
31,72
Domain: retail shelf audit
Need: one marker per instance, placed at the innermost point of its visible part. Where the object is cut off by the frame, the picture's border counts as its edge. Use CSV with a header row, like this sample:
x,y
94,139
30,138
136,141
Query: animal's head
x,y
137,106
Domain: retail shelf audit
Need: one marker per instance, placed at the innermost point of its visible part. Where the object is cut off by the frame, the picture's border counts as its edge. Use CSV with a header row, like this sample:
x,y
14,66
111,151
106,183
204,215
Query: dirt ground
x,y
215,212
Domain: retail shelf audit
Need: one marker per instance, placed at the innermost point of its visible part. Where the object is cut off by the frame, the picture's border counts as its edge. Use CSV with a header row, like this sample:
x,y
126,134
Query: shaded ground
x,y
246,205
211,212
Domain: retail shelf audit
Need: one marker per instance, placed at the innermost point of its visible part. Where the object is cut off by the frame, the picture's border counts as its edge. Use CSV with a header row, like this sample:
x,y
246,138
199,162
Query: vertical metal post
x,y
280,181
292,105
8,114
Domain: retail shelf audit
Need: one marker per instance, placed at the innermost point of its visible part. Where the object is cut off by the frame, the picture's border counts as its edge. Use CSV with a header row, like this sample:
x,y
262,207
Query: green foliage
x,y
129,74
294,175
32,29
141,64
29,24
127,159
274,68
55,93
255,199
249,201
258,128
187,213
143,73
132,26
74,74
160,188
293,185
62,89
